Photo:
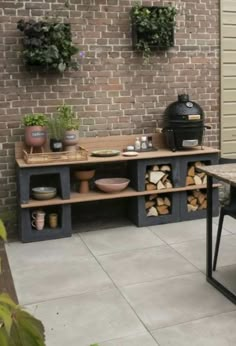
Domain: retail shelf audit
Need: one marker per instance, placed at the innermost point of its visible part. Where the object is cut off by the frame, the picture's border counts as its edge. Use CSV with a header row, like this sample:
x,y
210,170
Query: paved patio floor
x,y
128,286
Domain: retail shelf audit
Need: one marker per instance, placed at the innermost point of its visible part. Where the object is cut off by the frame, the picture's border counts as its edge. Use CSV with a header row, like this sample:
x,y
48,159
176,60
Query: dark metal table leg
x,y
219,286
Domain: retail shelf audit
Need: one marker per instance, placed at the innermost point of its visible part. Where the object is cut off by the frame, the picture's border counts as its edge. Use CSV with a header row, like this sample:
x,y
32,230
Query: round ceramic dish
x,y
105,153
44,193
112,185
130,153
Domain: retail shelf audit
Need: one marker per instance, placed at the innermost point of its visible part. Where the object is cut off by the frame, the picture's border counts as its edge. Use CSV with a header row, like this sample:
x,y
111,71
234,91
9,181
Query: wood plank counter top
x,y
160,153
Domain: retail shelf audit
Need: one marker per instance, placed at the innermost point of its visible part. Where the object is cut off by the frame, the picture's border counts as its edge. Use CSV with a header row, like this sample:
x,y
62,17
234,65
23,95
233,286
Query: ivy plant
x,y
153,28
48,44
17,326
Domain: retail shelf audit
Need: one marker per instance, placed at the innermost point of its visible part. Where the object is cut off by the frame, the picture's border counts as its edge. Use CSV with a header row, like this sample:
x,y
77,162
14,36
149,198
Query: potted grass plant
x,y
71,126
56,133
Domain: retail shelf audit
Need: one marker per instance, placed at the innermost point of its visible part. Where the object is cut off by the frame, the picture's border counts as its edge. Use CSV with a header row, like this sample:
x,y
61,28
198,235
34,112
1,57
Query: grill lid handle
x,y
183,98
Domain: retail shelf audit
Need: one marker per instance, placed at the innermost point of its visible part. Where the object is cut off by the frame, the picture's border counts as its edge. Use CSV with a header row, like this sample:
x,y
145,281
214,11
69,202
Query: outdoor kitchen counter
x,y
135,168
159,153
226,173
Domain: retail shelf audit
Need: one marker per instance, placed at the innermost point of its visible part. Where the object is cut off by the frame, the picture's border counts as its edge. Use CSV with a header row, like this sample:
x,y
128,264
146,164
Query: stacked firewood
x,y
156,205
158,177
193,176
196,200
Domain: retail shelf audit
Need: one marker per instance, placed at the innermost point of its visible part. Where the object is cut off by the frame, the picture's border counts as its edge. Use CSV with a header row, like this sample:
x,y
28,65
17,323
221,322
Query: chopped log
x,y
152,212
192,207
165,168
160,185
203,205
168,184
196,193
150,187
151,197
201,198
146,176
201,175
204,180
167,201
162,210
189,181
155,176
199,164
191,171
197,180
155,168
189,198
194,201
165,178
149,204
160,201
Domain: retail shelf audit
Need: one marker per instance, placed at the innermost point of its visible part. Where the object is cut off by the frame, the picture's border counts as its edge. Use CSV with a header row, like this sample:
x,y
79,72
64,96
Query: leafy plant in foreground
x,y
18,327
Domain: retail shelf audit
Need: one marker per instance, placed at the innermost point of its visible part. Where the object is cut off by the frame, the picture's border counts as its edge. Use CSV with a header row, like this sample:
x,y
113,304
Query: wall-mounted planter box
x,y
152,27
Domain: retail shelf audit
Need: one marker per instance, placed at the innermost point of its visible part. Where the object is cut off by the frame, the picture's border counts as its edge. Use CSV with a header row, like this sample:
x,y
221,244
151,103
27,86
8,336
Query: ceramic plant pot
x,y
71,139
84,177
35,136
56,145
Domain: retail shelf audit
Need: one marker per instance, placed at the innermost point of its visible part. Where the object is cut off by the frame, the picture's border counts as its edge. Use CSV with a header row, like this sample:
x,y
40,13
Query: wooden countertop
x,y
160,153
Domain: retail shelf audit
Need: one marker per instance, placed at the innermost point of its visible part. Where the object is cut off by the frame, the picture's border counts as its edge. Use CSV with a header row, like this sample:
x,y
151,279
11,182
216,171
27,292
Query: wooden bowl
x,y
112,185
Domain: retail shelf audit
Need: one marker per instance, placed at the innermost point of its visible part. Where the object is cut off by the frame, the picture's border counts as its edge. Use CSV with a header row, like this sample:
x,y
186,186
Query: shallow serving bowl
x,y
112,185
44,192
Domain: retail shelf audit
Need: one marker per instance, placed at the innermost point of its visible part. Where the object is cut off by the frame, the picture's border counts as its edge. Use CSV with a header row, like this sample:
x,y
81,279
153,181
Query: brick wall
x,y
113,93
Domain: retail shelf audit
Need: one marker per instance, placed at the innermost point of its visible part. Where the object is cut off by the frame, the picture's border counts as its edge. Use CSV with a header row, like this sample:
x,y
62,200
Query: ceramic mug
x,y
38,217
53,220
38,214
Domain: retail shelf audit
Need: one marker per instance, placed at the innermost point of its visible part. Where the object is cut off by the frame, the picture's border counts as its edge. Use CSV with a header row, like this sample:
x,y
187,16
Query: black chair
x,y
226,209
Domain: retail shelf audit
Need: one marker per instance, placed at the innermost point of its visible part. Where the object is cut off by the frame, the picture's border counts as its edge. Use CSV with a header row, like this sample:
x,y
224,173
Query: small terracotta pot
x,y
84,177
71,138
35,136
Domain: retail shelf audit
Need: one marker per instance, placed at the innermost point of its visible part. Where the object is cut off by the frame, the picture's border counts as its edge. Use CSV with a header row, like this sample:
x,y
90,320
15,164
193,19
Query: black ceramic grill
x,y
183,124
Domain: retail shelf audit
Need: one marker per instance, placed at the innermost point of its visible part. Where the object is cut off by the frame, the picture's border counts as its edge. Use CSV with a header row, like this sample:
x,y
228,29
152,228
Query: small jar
x,y
144,143
137,144
149,142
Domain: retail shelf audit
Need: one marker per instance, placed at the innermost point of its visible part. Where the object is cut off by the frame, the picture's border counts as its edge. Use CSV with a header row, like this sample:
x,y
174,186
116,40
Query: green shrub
x,y
48,44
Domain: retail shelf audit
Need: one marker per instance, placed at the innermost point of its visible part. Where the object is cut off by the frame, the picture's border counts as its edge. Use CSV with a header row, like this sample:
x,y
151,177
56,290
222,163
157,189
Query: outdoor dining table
x,y
227,174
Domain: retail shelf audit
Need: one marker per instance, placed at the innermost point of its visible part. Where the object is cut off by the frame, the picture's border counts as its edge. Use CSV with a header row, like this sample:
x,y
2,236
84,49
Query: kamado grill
x,y
183,124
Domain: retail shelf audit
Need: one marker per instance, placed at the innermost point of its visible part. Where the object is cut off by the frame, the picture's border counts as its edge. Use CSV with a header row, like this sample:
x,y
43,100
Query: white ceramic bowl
x,y
44,193
112,185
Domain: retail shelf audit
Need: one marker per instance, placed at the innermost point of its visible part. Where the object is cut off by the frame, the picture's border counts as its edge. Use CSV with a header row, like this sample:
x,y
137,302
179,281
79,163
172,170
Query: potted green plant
x,y
17,326
35,130
71,126
152,28
56,133
48,44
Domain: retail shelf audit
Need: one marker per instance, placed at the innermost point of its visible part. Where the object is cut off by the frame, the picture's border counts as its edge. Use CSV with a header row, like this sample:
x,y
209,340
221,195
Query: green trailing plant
x,y
67,116
48,44
153,27
17,326
36,119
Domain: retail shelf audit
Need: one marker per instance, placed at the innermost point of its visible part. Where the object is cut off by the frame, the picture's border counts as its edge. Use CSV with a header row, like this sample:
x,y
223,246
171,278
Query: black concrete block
x,y
29,234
